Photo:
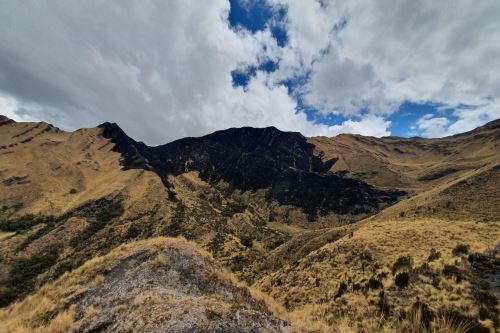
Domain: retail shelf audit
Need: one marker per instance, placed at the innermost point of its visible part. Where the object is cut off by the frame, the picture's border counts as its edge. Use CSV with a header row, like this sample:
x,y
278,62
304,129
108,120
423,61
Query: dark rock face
x,y
257,158
5,120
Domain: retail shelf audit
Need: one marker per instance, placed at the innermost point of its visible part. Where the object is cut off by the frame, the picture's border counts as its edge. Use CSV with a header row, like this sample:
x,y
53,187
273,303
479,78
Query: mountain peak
x,y
4,120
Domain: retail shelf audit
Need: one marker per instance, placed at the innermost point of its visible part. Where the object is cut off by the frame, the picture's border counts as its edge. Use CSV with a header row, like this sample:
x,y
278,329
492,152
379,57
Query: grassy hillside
x,y
161,284
430,259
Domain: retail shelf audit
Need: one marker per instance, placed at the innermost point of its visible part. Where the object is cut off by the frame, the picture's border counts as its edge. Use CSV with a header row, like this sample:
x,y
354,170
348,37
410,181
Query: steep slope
x,y
472,195
158,285
249,159
413,164
282,212
387,269
49,171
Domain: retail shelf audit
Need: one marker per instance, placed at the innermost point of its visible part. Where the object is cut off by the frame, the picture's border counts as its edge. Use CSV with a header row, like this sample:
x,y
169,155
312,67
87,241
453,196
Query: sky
x,y
164,70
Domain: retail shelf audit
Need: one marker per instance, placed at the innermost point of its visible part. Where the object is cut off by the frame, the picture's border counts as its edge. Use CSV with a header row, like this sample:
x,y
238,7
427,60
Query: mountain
x,y
249,159
310,233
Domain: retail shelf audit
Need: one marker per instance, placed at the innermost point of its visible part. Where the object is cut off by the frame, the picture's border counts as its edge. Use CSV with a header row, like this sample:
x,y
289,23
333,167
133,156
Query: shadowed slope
x,y
413,164
249,159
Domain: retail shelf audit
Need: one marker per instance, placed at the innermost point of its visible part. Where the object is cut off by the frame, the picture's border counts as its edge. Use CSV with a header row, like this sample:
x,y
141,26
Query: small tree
x,y
402,280
402,263
246,240
460,249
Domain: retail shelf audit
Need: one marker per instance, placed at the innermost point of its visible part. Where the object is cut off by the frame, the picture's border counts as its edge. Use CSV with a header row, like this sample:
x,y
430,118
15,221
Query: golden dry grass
x,y
22,316
303,276
57,162
401,163
309,287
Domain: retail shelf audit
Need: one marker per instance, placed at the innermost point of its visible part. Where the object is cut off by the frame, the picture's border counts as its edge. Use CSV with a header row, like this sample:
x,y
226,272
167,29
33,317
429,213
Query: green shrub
x,y
103,214
373,283
485,297
50,223
233,208
237,263
176,226
434,255
73,191
402,280
22,277
341,291
19,224
402,263
460,249
452,271
133,231
217,243
246,240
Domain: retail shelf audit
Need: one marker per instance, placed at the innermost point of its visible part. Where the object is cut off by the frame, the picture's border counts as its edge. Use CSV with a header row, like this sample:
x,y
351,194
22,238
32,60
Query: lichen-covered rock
x,y
157,285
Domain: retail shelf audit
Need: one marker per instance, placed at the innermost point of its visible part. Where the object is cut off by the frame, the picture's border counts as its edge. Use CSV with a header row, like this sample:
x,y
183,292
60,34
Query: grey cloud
x,y
162,68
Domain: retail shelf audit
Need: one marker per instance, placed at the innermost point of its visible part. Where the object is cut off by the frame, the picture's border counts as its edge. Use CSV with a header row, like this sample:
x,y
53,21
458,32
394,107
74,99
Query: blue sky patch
x,y
241,77
256,15
409,113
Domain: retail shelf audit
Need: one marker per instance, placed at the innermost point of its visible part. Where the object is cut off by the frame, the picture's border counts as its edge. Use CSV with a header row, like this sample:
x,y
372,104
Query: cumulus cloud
x,y
162,70
432,127
467,118
376,55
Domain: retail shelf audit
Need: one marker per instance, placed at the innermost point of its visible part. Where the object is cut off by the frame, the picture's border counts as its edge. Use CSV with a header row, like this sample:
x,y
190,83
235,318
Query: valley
x,y
250,229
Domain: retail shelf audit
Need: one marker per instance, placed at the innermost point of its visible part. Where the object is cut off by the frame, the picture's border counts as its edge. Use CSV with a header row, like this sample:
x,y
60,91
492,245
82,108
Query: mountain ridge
x,y
306,222
240,156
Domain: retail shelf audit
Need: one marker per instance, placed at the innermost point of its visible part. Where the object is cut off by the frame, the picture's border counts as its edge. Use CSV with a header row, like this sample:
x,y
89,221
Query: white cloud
x,y
162,69
468,118
369,124
432,127
444,52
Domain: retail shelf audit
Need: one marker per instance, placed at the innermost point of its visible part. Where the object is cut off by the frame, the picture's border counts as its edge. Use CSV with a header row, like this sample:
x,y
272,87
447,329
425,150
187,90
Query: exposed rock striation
x,y
249,159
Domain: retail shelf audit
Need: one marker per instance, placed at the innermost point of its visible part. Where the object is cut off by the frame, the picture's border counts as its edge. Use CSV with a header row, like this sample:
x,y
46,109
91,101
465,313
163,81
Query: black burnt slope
x,y
249,159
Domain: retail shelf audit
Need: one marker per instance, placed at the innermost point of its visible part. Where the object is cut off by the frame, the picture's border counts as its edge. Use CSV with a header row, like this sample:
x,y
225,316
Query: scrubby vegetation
x,y
402,263
20,224
22,277
99,214
461,249
176,225
49,222
402,280
426,264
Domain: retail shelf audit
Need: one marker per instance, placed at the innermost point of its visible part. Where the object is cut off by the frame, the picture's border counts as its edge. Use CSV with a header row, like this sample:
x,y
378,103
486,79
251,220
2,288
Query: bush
x,y
342,289
73,191
452,270
485,297
402,263
233,208
217,243
434,255
20,224
273,242
22,277
237,263
246,240
373,283
176,226
50,223
107,211
402,280
460,249
133,231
